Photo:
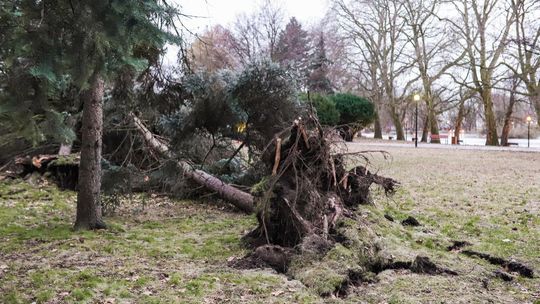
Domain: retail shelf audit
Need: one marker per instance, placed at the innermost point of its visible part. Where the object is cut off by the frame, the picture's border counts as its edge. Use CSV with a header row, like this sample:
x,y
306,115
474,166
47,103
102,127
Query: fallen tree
x,y
242,200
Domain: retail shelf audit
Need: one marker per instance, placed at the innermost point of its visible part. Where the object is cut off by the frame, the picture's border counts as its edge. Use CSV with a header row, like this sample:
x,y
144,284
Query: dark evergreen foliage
x,y
325,107
354,109
292,51
318,80
266,94
49,51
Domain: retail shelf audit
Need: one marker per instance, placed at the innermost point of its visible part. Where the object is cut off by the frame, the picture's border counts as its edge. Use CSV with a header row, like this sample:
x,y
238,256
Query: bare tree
x,y
212,50
508,118
484,27
271,18
255,35
527,53
375,30
432,54
247,39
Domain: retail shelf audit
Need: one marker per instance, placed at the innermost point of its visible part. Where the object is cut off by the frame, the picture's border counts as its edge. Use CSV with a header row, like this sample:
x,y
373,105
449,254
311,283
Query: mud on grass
x,y
156,251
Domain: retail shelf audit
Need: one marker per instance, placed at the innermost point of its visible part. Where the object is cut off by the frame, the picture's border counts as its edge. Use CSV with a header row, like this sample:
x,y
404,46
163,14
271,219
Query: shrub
x,y
354,109
325,107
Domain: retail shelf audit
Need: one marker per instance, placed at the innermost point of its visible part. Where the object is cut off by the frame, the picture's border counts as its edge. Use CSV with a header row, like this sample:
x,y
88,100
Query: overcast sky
x,y
223,12
211,12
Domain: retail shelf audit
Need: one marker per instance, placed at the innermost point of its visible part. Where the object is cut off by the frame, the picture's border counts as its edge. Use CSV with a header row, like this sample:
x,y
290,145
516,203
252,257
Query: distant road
x,y
363,142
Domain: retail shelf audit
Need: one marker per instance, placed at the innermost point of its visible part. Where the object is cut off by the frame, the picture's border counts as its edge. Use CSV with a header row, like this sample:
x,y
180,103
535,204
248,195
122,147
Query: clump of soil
x,y
410,221
510,265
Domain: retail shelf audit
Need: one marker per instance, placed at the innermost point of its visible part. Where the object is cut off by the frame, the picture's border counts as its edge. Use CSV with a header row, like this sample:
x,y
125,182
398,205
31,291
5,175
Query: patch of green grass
x,y
87,279
142,281
12,297
79,294
175,279
200,285
44,296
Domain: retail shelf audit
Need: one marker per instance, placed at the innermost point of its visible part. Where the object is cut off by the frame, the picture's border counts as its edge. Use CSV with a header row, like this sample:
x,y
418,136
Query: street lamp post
x,y
416,99
529,119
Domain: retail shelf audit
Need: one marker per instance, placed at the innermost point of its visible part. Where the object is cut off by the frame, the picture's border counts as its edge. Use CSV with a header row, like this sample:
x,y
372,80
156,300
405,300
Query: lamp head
x,y
529,118
416,97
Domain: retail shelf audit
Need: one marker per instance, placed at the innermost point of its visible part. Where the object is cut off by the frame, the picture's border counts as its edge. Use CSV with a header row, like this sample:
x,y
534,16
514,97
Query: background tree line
x,y
468,59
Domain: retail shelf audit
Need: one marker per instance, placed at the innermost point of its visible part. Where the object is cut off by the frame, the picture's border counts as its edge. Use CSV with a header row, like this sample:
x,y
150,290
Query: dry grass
x,y
165,251
488,198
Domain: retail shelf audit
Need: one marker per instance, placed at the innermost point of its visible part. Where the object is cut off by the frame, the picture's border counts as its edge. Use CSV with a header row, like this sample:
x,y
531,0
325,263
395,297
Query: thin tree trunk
x,y
425,131
400,135
434,126
88,199
535,100
508,120
378,129
491,124
459,121
242,200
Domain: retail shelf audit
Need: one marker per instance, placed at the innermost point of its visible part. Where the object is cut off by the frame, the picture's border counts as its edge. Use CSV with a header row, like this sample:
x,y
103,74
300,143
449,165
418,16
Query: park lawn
x,y
156,250
161,250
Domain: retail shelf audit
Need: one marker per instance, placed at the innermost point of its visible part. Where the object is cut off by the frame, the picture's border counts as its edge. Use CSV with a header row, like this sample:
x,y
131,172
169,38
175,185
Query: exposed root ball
x,y
307,226
309,190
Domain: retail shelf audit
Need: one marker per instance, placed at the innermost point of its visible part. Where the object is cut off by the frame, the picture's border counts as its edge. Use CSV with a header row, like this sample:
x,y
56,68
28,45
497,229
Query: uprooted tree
x,y
306,206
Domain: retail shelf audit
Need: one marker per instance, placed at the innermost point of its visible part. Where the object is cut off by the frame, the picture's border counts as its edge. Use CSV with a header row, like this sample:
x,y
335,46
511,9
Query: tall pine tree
x,y
58,43
292,51
318,80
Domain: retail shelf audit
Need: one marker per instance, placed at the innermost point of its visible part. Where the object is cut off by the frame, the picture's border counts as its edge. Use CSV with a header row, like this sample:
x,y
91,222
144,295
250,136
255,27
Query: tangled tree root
x,y
307,224
309,190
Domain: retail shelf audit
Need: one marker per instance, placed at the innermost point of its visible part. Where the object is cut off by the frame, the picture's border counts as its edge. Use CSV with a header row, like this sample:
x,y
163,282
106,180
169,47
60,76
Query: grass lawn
x,y
159,250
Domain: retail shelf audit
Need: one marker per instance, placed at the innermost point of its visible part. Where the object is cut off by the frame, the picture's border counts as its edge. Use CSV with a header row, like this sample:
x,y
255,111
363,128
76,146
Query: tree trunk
x,y
508,120
491,124
88,199
535,100
400,135
433,126
425,130
242,200
378,129
459,121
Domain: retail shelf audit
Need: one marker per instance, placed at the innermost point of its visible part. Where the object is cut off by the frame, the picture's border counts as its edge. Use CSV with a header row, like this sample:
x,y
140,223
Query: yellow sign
x,y
241,127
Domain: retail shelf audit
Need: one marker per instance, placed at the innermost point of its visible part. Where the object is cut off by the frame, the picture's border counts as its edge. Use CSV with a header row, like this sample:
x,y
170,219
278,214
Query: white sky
x,y
224,11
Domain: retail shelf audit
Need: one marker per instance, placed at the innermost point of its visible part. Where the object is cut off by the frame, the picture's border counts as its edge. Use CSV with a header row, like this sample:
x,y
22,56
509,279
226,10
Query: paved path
x,y
371,143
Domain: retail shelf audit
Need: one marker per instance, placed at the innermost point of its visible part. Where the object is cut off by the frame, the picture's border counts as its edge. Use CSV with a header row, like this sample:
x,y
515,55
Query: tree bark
x,y
400,134
459,121
508,119
535,100
425,131
88,198
378,129
242,200
433,125
492,138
